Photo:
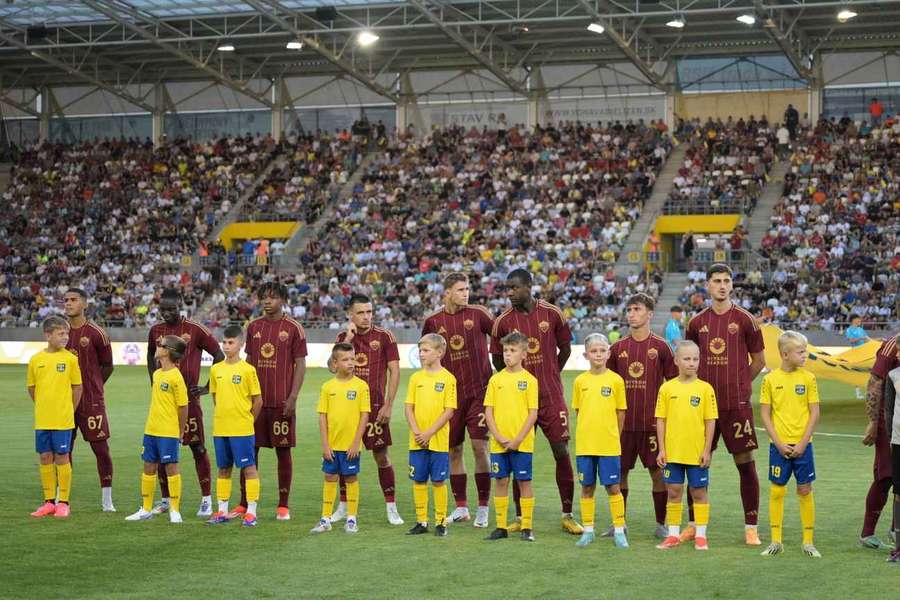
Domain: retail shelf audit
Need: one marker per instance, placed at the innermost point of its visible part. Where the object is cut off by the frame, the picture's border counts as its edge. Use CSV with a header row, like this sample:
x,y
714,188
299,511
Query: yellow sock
x,y
588,507
175,492
64,478
501,505
701,518
776,511
48,481
148,486
223,489
352,498
252,487
673,514
617,510
329,493
420,499
807,516
440,504
527,505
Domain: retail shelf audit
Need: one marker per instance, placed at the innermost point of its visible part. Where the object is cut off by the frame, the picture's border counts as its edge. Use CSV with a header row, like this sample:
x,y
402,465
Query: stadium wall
x,y
722,105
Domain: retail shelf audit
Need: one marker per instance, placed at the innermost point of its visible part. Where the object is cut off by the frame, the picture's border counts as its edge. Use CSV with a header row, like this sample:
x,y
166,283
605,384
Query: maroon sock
x,y
625,496
659,506
749,491
204,473
483,485
104,462
875,501
516,495
386,479
458,485
565,481
690,507
342,485
285,474
163,481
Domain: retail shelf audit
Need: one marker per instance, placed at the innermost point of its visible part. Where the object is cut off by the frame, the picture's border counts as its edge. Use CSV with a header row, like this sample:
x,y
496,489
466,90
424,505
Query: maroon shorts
x,y
553,419
736,428
193,429
273,430
92,421
376,435
882,467
639,443
469,415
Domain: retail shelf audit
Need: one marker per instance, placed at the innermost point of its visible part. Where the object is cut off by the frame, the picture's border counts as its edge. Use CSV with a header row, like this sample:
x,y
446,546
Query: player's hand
x,y
384,414
353,452
785,450
797,450
422,440
869,435
198,390
705,459
351,331
513,444
661,459
290,408
327,454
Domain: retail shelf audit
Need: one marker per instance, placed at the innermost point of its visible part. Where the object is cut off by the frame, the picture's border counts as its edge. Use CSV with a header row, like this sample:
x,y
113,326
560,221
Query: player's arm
x,y
290,406
874,396
197,390
497,360
765,413
492,426
151,355
436,426
757,364
890,405
257,405
104,356
661,441
77,390
410,411
527,427
106,371
800,447
393,383
353,452
563,342
709,433
323,434
620,416
182,417
31,392
565,351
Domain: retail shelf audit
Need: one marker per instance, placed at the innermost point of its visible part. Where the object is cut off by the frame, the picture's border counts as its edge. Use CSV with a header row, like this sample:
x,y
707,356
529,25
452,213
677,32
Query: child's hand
x,y
503,442
705,459
327,454
797,450
422,439
353,452
785,450
513,444
661,459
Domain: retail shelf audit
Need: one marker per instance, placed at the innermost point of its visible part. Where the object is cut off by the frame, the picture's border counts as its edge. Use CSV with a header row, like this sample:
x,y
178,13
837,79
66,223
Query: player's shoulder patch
x,y
889,347
297,325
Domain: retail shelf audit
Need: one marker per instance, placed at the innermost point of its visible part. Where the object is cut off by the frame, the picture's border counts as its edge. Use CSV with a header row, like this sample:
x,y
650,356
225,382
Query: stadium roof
x,y
112,43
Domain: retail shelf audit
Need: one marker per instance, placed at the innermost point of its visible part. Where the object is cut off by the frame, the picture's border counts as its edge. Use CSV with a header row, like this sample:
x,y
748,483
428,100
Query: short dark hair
x,y
54,322
641,298
358,299
515,338
719,268
170,294
79,291
675,308
520,275
273,288
176,347
342,347
233,331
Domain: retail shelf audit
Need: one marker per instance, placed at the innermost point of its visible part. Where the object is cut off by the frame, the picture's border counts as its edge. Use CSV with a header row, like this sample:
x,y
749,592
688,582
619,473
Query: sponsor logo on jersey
x,y
799,389
235,379
623,354
351,394
439,386
257,336
534,345
717,345
652,354
606,391
84,341
733,328
636,369
267,350
523,385
61,367
704,329
362,359
283,336
468,324
375,345
695,400
457,342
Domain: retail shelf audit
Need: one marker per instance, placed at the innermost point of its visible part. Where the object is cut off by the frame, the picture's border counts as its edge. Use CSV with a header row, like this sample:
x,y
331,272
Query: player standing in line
x,y
378,364
430,403
598,398
166,421
644,360
892,423
467,329
726,335
686,420
877,434
237,399
89,343
54,384
343,415
549,347
276,346
197,339
789,409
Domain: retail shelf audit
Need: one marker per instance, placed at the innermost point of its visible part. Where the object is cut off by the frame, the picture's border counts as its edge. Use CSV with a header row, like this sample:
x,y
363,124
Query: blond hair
x,y
435,340
686,344
791,339
595,338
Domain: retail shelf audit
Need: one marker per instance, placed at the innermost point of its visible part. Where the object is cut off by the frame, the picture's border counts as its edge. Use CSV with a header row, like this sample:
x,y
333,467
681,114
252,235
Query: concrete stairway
x,y
652,209
673,284
234,214
761,220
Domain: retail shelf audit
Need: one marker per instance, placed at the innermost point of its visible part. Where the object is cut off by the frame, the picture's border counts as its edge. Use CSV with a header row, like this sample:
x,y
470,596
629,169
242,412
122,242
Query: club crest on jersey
x,y
717,345
267,350
164,386
61,367
362,359
652,354
235,379
186,337
636,369
544,326
439,386
375,345
523,385
534,345
457,342
704,329
468,324
732,328
84,341
283,336
351,394
799,389
606,391
695,400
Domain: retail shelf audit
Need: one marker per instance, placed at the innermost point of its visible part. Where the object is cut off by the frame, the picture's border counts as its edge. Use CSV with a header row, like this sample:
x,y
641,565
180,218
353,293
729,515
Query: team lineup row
x,y
724,336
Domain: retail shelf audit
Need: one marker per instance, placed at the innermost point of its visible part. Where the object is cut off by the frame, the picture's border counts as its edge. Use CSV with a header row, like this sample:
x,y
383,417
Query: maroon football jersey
x,y
644,366
196,337
466,332
272,347
374,350
886,358
547,330
726,341
90,344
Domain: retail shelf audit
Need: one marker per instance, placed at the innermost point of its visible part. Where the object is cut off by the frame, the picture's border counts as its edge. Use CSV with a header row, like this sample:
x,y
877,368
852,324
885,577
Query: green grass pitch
x,y
100,555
